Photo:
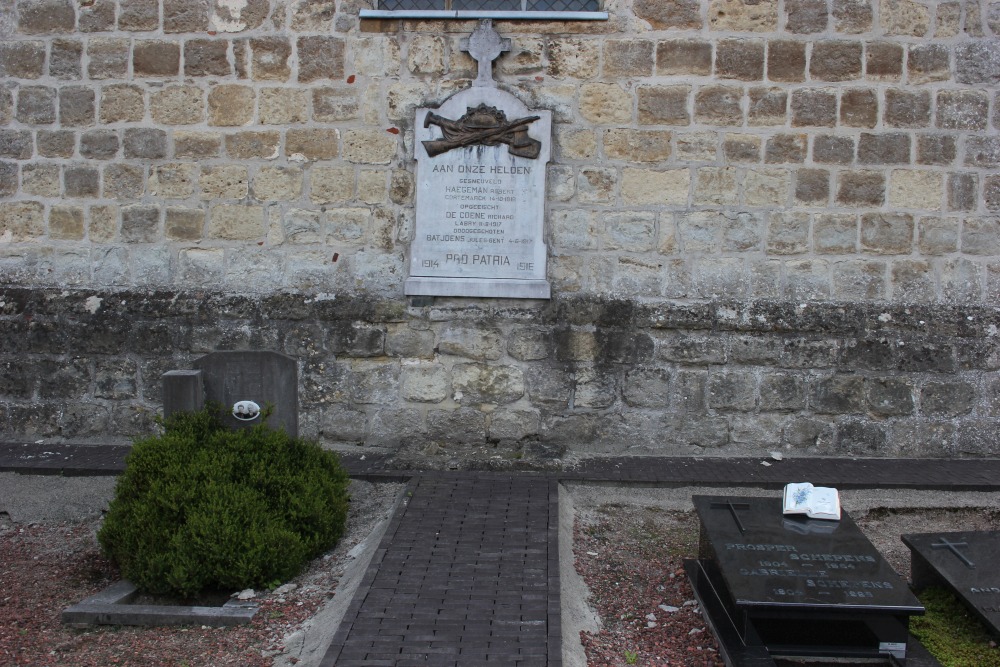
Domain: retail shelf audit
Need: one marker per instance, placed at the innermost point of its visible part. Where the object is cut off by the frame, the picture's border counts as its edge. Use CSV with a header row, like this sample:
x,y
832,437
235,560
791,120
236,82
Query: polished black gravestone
x,y
966,564
779,586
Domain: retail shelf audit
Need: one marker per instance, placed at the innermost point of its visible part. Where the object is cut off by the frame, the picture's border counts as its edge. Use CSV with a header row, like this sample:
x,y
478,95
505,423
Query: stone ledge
x,y
111,607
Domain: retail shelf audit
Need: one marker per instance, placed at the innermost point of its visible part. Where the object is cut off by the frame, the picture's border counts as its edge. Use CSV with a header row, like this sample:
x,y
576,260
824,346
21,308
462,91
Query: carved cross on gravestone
x,y
485,45
953,548
732,507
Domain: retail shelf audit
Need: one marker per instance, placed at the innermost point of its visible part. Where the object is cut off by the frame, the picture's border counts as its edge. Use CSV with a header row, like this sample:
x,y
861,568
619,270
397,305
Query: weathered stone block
x,y
664,105
741,148
947,398
907,108
913,281
23,220
472,343
628,57
741,59
426,55
175,180
806,16
156,58
916,189
45,17
884,61
334,104
858,438
139,15
718,105
837,394
680,56
782,392
666,15
785,148
97,17
236,222
230,105
938,236
787,233
140,224
904,17
936,149
480,383
22,60
981,236
741,16
716,185
283,106
8,180
99,144
812,186
197,144
982,151
835,233
975,62
928,62
37,179
263,145
835,60
207,57
331,184
277,184
178,105
312,144
184,224
962,109
66,223
637,145
269,58
186,16
368,146
859,280
65,59
852,16
36,105
768,106
604,103
807,279
816,107
830,149
144,142
123,181
122,103
732,390
81,181
859,107
17,144
108,58
887,233
890,148
786,61
962,189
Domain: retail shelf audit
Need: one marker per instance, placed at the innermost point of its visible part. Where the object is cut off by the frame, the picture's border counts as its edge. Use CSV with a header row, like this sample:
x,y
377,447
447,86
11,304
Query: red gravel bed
x,y
632,560
46,568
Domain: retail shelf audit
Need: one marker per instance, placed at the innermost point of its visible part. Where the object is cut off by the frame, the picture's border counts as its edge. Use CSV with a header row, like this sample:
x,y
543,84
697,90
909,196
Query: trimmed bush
x,y
204,507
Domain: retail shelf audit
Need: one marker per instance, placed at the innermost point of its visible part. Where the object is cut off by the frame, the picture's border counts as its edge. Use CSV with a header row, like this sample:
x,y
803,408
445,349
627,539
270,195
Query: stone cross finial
x,y
485,45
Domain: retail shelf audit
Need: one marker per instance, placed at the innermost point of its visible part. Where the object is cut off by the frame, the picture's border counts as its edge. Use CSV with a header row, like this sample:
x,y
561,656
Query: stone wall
x,y
768,223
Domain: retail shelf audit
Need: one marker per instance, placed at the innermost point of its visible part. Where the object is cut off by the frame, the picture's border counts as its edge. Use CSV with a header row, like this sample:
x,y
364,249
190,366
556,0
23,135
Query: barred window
x,y
507,9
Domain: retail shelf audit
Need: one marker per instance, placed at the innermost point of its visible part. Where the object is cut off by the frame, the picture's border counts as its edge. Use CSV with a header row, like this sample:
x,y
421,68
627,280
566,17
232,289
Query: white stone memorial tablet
x,y
481,159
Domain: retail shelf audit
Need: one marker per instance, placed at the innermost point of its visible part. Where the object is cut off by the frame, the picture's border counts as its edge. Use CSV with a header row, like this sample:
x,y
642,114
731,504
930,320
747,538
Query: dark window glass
x,y
392,5
564,6
487,5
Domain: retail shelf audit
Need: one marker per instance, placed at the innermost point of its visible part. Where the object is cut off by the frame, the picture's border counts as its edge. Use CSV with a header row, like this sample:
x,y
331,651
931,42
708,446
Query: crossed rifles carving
x,y
460,133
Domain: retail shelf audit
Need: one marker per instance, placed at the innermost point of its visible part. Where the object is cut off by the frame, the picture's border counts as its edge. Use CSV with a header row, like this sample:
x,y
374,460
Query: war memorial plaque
x,y
776,585
480,209
963,562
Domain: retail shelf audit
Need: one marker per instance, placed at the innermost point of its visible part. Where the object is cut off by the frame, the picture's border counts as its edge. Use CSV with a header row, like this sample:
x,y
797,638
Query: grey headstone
x,y
269,379
183,391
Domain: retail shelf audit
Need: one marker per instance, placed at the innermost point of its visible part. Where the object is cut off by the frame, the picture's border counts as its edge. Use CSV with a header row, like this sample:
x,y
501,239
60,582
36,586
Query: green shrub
x,y
203,507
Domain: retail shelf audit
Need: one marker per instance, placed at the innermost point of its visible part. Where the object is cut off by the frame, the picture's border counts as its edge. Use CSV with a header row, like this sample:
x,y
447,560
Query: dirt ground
x,y
625,597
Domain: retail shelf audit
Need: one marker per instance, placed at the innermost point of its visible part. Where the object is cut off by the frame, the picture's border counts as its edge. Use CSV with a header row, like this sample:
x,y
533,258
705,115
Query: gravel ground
x,y
627,599
49,564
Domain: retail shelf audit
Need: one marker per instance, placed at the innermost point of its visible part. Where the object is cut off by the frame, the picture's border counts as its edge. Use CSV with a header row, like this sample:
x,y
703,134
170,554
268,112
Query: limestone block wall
x,y
770,224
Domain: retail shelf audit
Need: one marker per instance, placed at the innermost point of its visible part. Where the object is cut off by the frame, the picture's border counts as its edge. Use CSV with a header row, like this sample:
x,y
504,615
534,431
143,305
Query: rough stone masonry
x,y
771,224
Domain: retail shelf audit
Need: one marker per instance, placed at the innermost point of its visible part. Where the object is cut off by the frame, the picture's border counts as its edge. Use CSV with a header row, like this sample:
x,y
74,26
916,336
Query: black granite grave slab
x,y
269,379
963,562
773,585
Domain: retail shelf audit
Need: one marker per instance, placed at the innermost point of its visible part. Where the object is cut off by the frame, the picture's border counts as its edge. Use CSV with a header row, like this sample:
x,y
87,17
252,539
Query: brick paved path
x,y
467,574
